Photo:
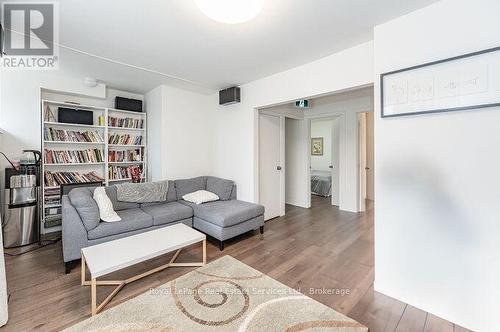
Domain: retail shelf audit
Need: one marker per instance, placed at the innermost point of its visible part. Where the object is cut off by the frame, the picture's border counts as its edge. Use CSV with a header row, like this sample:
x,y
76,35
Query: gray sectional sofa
x,y
222,219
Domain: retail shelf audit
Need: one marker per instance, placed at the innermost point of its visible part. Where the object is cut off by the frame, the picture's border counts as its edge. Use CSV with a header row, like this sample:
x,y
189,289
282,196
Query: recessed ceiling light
x,y
230,11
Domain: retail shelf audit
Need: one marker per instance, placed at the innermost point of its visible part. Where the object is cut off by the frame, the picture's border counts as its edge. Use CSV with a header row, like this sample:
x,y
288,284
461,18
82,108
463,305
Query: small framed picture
x,y
317,146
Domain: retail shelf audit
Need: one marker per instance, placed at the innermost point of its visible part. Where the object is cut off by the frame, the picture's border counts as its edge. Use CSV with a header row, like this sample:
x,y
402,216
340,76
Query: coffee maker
x,y
21,210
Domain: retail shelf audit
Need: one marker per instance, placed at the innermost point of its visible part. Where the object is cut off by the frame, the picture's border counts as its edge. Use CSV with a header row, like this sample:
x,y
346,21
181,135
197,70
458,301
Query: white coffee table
x,y
108,257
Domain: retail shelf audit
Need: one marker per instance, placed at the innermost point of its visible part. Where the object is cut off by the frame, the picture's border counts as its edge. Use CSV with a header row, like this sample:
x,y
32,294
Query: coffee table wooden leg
x,y
204,251
93,295
83,270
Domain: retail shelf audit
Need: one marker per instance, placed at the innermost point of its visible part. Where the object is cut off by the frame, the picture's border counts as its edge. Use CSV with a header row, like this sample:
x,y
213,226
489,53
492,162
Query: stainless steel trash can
x,y
20,212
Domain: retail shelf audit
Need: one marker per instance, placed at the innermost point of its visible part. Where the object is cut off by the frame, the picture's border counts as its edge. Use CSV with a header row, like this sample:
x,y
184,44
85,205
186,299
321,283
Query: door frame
x,y
336,163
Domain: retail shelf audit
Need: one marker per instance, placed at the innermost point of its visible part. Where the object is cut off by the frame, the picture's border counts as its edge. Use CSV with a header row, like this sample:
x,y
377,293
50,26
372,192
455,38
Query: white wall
x,y
235,141
296,166
324,129
156,106
181,133
437,216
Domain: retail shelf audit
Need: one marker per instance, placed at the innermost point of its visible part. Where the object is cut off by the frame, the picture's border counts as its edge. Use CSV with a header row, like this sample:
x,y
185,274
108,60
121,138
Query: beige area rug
x,y
224,295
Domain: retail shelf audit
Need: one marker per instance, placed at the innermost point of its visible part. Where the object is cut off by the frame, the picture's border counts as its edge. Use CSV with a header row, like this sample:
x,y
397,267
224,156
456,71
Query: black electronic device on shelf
x,y
76,116
128,104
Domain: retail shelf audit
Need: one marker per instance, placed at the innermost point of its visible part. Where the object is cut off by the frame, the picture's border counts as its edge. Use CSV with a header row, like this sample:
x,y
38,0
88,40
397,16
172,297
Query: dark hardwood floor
x,y
315,248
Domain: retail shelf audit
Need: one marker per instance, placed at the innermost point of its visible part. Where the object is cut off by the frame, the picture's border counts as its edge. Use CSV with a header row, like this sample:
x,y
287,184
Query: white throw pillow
x,y
106,211
200,196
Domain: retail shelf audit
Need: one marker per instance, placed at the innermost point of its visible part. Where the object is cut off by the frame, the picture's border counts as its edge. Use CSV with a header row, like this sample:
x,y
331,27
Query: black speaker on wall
x,y
71,115
128,104
230,96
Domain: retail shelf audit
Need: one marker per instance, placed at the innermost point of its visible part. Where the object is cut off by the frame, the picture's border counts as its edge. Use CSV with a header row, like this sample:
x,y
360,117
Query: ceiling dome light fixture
x,y
230,11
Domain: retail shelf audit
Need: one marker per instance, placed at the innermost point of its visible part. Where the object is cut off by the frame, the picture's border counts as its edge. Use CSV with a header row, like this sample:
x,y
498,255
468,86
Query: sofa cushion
x,y
220,187
132,219
117,205
226,213
187,186
83,201
168,212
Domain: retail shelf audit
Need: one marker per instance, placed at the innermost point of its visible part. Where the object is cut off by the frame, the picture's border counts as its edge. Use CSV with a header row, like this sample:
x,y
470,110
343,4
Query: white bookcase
x,y
51,212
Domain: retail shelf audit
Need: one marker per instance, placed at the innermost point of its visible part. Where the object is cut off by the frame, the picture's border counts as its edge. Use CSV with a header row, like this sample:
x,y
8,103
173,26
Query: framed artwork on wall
x,y
466,82
317,146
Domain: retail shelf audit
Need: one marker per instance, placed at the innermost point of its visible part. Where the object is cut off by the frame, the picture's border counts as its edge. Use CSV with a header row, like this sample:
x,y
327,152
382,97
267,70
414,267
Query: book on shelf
x,y
125,172
73,156
125,139
48,115
52,199
125,122
125,156
52,211
52,191
52,221
53,179
62,135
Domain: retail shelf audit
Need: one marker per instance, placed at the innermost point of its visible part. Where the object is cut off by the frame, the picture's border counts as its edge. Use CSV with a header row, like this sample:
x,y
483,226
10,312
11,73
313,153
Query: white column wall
x,y
436,181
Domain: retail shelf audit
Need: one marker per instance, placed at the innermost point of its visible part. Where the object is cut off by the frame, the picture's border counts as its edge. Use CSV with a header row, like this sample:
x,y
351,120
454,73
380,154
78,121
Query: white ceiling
x,y
173,38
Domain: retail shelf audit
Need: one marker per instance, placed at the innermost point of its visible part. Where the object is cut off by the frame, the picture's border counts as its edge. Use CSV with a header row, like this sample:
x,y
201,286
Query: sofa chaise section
x,y
225,218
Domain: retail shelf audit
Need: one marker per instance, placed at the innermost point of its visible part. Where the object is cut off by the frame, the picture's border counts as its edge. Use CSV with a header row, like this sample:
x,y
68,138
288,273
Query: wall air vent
x,y
229,96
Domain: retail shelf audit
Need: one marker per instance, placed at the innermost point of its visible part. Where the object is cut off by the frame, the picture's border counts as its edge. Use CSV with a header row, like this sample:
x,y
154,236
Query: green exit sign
x,y
304,103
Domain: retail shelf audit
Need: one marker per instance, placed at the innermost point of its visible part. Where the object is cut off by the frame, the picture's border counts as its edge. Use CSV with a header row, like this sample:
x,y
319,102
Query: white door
x,y
335,162
362,160
270,165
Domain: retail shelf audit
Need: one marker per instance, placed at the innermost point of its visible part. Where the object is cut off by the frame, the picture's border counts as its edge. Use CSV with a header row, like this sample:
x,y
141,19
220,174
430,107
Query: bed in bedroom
x,y
321,183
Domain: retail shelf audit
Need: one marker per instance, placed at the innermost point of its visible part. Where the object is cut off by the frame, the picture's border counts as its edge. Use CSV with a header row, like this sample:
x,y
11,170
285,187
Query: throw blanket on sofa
x,y
142,192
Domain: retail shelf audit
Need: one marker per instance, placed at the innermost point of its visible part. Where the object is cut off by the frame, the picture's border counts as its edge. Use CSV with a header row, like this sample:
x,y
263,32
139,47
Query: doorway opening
x,y
325,159
316,151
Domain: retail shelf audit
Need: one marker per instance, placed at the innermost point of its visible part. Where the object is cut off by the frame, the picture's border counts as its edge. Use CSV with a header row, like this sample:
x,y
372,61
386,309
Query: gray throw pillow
x,y
220,187
172,192
83,201
187,186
